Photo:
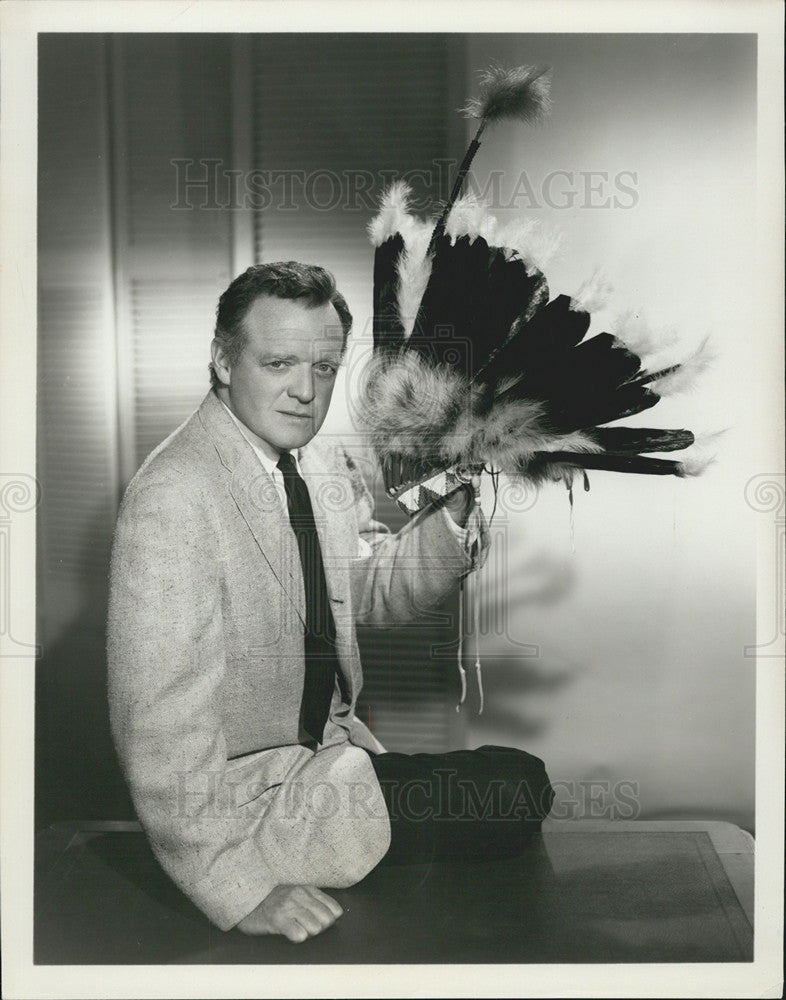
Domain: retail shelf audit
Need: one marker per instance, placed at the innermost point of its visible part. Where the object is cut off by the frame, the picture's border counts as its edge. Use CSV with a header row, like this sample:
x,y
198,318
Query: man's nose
x,y
302,385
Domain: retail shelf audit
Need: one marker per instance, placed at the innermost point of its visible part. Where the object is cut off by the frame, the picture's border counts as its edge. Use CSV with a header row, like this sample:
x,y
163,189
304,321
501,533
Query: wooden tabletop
x,y
585,891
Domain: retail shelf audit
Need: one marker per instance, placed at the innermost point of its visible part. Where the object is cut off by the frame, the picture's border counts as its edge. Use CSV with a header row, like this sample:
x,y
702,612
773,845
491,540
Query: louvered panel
x,y
410,692
74,433
71,178
172,326
396,111
318,123
173,104
76,455
172,101
402,729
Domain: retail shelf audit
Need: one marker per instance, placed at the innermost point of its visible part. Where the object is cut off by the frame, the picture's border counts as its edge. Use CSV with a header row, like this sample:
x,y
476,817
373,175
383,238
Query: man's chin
x,y
298,437
294,443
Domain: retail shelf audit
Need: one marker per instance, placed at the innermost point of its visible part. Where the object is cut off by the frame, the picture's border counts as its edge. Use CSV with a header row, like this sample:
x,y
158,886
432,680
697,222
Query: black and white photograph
x,y
392,499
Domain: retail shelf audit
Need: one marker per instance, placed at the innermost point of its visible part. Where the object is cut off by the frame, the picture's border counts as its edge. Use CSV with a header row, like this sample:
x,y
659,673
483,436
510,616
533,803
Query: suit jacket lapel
x,y
259,503
257,499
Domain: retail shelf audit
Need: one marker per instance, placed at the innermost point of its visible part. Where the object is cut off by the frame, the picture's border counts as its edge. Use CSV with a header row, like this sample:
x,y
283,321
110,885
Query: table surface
x,y
584,891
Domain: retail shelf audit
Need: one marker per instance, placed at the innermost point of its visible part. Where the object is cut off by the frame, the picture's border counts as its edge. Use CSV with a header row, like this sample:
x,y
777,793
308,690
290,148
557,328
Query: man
x,y
244,554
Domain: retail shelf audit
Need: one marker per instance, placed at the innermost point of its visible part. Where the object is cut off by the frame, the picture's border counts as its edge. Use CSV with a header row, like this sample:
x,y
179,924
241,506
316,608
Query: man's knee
x,y
526,792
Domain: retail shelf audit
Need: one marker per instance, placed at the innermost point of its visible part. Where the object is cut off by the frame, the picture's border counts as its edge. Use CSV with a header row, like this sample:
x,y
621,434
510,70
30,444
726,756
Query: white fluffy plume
x,y
413,265
521,92
592,294
517,235
414,270
701,455
470,217
528,238
686,373
534,243
393,213
638,336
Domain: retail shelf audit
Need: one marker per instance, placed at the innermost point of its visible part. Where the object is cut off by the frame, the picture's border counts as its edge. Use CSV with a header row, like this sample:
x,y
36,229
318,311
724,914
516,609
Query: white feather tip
x,y
638,336
685,375
470,217
535,244
593,294
393,213
701,455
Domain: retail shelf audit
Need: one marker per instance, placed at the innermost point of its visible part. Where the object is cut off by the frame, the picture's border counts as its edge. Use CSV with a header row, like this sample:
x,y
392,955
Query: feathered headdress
x,y
474,366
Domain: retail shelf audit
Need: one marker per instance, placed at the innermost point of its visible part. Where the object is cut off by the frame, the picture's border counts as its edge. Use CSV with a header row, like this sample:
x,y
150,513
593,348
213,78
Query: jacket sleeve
x,y
401,577
166,663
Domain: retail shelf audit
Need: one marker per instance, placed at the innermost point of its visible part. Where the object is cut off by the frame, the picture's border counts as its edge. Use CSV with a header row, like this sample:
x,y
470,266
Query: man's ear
x,y
221,365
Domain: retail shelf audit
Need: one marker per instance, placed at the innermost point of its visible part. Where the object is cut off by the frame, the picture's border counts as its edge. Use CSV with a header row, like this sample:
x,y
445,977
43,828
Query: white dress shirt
x,y
269,456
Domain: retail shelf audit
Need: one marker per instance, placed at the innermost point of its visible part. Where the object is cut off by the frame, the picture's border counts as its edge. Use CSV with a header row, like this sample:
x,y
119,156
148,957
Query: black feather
x,y
388,330
544,461
626,401
579,386
639,440
473,297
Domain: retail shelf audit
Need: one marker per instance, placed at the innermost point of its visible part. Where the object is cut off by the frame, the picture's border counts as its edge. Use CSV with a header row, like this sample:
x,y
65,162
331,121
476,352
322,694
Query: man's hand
x,y
459,503
296,911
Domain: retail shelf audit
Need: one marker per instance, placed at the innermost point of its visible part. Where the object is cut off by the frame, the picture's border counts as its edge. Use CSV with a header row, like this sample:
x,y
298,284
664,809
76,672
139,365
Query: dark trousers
x,y
463,805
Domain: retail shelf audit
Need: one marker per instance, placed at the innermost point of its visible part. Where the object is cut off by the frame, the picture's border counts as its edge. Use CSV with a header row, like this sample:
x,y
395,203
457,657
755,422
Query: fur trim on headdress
x,y
431,413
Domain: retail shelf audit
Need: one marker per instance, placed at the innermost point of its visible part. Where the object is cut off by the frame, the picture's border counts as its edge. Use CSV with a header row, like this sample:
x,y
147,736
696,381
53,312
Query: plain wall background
x,y
640,674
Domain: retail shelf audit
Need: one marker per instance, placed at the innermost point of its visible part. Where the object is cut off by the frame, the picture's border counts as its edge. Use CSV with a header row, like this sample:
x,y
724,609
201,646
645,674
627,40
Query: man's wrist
x,y
459,503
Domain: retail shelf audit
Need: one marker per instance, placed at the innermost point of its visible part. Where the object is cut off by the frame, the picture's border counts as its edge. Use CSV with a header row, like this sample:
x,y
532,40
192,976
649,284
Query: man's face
x,y
281,385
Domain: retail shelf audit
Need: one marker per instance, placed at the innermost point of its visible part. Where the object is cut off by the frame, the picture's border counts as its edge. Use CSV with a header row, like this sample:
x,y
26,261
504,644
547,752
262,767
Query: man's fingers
x,y
326,915
316,915
327,901
311,921
324,907
293,930
296,911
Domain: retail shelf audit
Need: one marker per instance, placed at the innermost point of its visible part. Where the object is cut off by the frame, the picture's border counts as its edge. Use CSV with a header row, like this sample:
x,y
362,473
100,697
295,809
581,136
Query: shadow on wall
x,y
77,775
514,694
520,683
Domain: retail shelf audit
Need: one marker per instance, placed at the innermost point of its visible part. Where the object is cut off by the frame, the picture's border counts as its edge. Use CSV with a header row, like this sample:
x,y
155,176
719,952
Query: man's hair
x,y
282,280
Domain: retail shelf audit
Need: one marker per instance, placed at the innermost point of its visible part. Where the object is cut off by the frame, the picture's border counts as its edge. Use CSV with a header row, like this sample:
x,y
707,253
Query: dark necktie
x,y
320,632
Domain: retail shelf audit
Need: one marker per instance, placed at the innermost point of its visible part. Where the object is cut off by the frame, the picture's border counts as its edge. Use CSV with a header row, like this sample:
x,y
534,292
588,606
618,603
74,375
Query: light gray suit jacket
x,y
206,663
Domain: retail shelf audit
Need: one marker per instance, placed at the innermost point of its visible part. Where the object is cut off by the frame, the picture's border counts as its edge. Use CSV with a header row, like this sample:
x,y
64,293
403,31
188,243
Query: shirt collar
x,y
267,454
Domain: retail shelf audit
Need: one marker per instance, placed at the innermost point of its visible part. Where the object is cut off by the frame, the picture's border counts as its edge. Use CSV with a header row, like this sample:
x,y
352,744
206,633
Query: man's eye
x,y
325,368
276,365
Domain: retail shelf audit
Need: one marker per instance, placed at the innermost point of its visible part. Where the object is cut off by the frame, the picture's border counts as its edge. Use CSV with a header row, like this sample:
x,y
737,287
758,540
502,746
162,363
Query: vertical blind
x,y
171,124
